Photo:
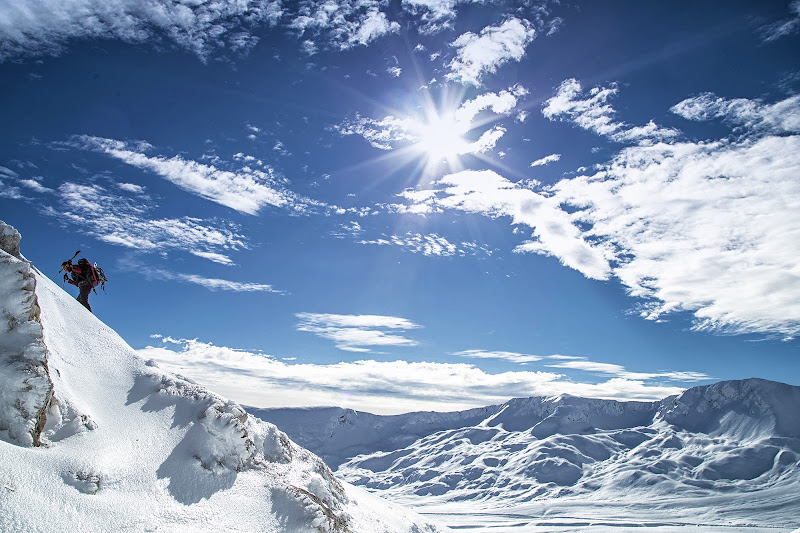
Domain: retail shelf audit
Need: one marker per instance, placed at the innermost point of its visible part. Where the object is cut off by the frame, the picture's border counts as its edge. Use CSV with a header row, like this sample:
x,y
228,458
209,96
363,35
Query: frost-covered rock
x,y
9,240
25,387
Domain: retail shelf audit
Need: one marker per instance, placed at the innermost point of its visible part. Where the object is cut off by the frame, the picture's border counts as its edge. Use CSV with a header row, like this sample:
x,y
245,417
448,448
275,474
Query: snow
x,y
723,456
94,438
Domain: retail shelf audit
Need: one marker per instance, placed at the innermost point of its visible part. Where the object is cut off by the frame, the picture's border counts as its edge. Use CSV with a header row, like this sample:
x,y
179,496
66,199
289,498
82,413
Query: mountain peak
x,y
751,407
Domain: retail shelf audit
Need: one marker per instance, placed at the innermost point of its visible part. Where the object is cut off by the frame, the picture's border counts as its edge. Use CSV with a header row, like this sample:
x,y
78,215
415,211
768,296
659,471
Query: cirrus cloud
x,y
123,220
429,245
356,333
37,27
247,190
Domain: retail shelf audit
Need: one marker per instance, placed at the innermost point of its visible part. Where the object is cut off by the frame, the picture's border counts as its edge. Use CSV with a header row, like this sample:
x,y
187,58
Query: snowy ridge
x,y
94,438
719,455
749,408
338,434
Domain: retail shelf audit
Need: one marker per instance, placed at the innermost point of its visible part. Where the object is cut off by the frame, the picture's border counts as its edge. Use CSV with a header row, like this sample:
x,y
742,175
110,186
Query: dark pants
x,y
83,297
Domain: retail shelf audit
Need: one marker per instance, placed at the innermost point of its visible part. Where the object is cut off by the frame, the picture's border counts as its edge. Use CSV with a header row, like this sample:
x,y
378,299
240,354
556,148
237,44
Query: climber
x,y
84,276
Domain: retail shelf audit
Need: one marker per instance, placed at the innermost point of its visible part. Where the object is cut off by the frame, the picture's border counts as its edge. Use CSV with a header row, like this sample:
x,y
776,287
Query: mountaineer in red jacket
x,y
84,277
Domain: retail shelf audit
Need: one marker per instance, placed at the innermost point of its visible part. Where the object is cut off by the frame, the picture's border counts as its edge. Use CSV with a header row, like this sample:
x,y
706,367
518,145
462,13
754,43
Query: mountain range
x,y
722,455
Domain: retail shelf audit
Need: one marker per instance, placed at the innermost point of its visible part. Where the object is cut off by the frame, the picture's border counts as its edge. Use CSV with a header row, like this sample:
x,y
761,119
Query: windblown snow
x,y
93,438
722,457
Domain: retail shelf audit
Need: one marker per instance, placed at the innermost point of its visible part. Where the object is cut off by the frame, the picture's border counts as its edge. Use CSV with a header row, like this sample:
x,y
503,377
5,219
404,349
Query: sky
x,y
417,204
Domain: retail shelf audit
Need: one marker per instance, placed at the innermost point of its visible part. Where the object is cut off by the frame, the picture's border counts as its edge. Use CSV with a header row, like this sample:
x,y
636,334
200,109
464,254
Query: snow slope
x,y
718,456
93,438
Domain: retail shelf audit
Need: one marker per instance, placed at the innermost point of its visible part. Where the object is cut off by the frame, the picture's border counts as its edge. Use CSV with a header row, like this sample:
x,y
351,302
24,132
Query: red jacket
x,y
81,278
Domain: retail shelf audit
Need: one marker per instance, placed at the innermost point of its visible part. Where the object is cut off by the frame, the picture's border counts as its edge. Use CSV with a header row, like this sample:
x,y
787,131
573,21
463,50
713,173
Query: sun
x,y
440,137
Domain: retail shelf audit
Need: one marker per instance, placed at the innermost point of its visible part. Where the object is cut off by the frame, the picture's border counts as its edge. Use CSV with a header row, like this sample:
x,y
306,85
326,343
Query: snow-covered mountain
x,y
716,456
93,438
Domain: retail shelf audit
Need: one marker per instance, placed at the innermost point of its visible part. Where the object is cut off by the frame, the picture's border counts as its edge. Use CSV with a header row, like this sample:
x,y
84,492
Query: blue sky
x,y
418,204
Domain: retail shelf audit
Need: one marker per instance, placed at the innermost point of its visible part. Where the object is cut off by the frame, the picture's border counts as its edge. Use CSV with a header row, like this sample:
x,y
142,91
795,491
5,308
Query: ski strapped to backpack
x,y
101,276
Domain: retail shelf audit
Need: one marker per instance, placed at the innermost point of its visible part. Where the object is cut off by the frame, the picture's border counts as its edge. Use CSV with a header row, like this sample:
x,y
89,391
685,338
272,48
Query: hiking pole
x,y
68,261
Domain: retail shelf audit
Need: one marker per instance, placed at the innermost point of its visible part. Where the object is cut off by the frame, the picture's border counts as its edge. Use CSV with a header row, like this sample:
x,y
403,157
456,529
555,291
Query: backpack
x,y
94,273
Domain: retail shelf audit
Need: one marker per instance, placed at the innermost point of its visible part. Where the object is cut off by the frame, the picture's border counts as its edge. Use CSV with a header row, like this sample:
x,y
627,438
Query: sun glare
x,y
441,137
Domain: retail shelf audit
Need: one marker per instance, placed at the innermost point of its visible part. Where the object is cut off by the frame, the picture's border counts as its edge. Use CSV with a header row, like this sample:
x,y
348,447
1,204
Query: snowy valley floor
x,y
582,516
761,511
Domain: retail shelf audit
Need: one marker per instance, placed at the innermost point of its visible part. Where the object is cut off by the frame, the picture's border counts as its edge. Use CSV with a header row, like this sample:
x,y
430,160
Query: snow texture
x,y
720,456
93,438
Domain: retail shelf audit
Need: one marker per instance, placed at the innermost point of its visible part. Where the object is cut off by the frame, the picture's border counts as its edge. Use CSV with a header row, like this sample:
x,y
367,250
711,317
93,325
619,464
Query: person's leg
x,y
83,297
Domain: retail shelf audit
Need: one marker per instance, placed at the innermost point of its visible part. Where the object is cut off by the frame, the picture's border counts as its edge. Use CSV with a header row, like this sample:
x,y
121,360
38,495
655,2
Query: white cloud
x,y
430,245
124,221
546,160
13,192
356,333
341,24
581,363
513,357
309,47
6,172
131,187
775,31
553,230
34,186
620,372
212,284
10,192
502,103
246,191
372,26
781,117
382,387
382,133
46,26
436,15
710,228
212,256
486,142
395,72
592,112
483,54
352,229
